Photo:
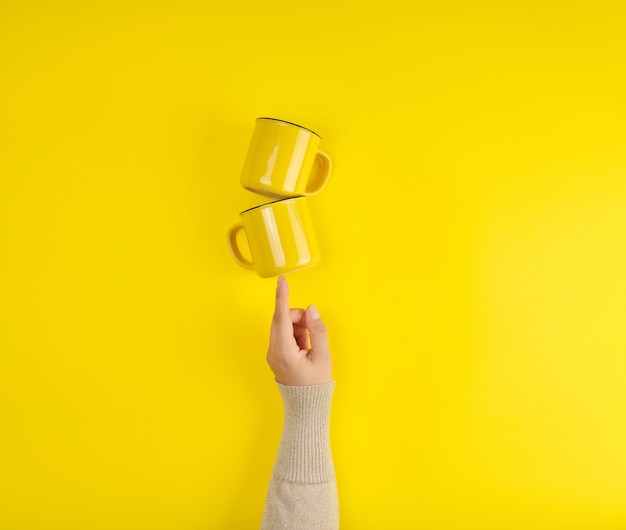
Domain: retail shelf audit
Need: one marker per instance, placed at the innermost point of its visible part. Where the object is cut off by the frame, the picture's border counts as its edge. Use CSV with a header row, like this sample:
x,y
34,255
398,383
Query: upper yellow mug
x,y
283,160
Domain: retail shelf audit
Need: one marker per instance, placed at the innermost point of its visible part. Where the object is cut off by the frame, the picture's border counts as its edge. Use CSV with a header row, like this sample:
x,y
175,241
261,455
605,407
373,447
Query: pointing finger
x,y
281,310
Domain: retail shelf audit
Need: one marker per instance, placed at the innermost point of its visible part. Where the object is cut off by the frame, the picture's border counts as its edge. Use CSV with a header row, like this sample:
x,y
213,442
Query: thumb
x,y
317,331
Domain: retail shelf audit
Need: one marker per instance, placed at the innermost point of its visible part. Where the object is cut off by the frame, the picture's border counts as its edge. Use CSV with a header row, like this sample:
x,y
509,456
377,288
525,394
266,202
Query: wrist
x,y
305,444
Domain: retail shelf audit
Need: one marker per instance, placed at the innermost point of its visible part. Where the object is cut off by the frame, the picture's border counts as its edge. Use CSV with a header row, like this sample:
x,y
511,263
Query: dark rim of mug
x,y
291,123
284,199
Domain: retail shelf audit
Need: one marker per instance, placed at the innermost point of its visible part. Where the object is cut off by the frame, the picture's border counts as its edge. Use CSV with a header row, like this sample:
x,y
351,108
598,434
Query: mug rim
x,y
283,199
290,123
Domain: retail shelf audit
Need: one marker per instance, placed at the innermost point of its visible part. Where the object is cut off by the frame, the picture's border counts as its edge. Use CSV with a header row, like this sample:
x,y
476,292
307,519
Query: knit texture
x,y
302,493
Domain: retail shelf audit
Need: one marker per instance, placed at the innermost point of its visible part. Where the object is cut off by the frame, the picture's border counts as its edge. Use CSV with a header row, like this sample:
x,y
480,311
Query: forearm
x,y
302,492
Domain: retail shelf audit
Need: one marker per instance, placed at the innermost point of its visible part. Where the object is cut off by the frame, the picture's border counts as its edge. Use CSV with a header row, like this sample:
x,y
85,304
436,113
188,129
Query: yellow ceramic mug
x,y
280,236
283,160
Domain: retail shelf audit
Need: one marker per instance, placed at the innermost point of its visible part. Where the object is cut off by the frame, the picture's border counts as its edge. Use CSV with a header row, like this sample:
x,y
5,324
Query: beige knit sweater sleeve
x,y
302,492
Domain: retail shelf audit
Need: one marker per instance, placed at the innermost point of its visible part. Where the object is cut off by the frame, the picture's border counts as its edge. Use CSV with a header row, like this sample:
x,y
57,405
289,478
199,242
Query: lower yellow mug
x,y
280,236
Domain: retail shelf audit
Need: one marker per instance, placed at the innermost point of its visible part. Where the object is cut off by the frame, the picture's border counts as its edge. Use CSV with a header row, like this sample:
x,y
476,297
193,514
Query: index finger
x,y
281,311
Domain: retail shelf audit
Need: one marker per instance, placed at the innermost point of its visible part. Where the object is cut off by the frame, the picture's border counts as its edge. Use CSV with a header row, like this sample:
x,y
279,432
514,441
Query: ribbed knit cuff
x,y
304,453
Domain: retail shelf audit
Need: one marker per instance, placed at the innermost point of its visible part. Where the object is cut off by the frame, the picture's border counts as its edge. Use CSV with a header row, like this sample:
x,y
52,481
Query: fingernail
x,y
314,313
280,278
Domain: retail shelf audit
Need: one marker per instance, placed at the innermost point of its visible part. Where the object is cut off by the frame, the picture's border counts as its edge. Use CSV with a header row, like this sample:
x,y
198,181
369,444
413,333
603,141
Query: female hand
x,y
298,353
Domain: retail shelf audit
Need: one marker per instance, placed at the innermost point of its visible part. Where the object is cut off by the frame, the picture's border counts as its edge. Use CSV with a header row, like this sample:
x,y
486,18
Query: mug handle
x,y
317,183
234,249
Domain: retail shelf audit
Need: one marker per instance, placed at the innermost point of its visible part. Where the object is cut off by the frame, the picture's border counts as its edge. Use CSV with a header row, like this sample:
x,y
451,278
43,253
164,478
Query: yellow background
x,y
473,274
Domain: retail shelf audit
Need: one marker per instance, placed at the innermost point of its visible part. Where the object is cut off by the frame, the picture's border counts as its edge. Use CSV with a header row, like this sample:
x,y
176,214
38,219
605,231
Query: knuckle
x,y
320,326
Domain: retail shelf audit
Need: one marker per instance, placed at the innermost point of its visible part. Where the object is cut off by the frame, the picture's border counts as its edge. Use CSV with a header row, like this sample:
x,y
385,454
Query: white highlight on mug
x,y
271,162
297,227
295,164
274,239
